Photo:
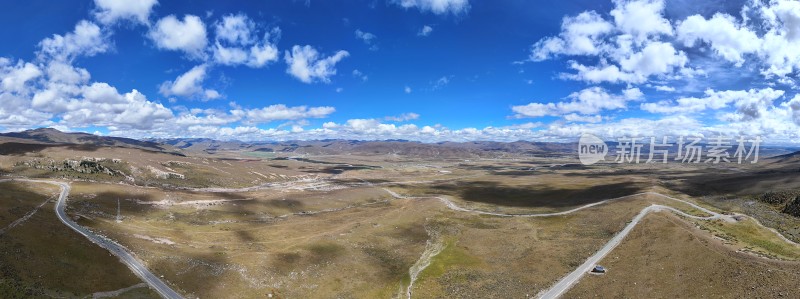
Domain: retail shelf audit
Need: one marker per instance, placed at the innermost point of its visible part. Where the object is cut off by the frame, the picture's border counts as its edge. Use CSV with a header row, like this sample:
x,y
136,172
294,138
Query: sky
x,y
426,70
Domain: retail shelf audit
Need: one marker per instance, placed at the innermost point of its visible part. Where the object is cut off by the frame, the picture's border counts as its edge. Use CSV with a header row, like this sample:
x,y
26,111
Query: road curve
x,y
572,278
566,282
116,249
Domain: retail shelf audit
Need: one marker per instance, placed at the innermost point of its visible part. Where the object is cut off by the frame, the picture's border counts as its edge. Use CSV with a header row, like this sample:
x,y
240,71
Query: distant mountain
x,y
454,150
53,136
791,157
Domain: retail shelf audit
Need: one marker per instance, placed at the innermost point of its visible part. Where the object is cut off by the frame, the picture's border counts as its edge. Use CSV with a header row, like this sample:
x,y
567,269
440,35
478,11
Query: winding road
x,y
557,290
116,249
566,282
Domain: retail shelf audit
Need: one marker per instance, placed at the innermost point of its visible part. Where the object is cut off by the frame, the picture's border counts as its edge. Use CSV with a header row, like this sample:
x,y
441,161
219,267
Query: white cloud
x,y
425,31
205,117
441,82
794,107
360,75
60,72
15,78
306,65
188,35
263,53
189,84
282,112
580,35
402,117
407,89
86,40
235,29
368,38
781,42
641,19
101,105
439,7
573,117
229,56
723,33
110,11
236,44
656,58
591,100
665,88
629,50
15,112
777,49
716,100
211,94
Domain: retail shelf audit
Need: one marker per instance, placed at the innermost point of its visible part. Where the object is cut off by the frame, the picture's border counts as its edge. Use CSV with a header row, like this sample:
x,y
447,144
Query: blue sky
x,y
426,70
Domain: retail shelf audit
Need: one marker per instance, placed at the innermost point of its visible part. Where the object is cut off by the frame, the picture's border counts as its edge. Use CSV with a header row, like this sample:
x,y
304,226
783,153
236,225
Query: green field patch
x,y
451,256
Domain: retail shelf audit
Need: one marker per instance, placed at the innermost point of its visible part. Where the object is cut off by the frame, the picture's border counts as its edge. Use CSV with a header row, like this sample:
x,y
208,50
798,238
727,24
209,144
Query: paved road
x,y
126,257
566,282
572,278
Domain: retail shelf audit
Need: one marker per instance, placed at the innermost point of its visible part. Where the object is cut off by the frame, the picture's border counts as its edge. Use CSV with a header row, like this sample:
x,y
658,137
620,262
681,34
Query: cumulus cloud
x,y
641,19
717,100
794,108
723,33
633,43
86,40
235,29
589,101
189,84
655,58
765,34
628,50
236,43
425,31
100,104
110,11
282,112
188,35
580,35
439,7
368,38
16,77
664,88
308,66
15,112
51,91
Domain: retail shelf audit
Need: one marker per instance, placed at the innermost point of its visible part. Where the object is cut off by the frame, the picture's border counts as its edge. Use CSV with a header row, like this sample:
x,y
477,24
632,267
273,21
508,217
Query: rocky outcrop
x,y
88,165
165,174
793,207
778,197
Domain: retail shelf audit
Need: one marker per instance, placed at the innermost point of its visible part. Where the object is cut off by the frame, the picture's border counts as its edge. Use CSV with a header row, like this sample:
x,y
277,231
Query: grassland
x,y
43,258
664,257
324,227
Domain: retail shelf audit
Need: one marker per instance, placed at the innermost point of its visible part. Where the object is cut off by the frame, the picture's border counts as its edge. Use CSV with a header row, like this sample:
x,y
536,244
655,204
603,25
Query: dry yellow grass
x,y
664,257
43,258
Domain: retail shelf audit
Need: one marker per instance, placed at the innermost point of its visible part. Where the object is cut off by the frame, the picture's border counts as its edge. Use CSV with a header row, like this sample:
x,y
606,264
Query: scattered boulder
x,y
88,165
793,207
778,197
